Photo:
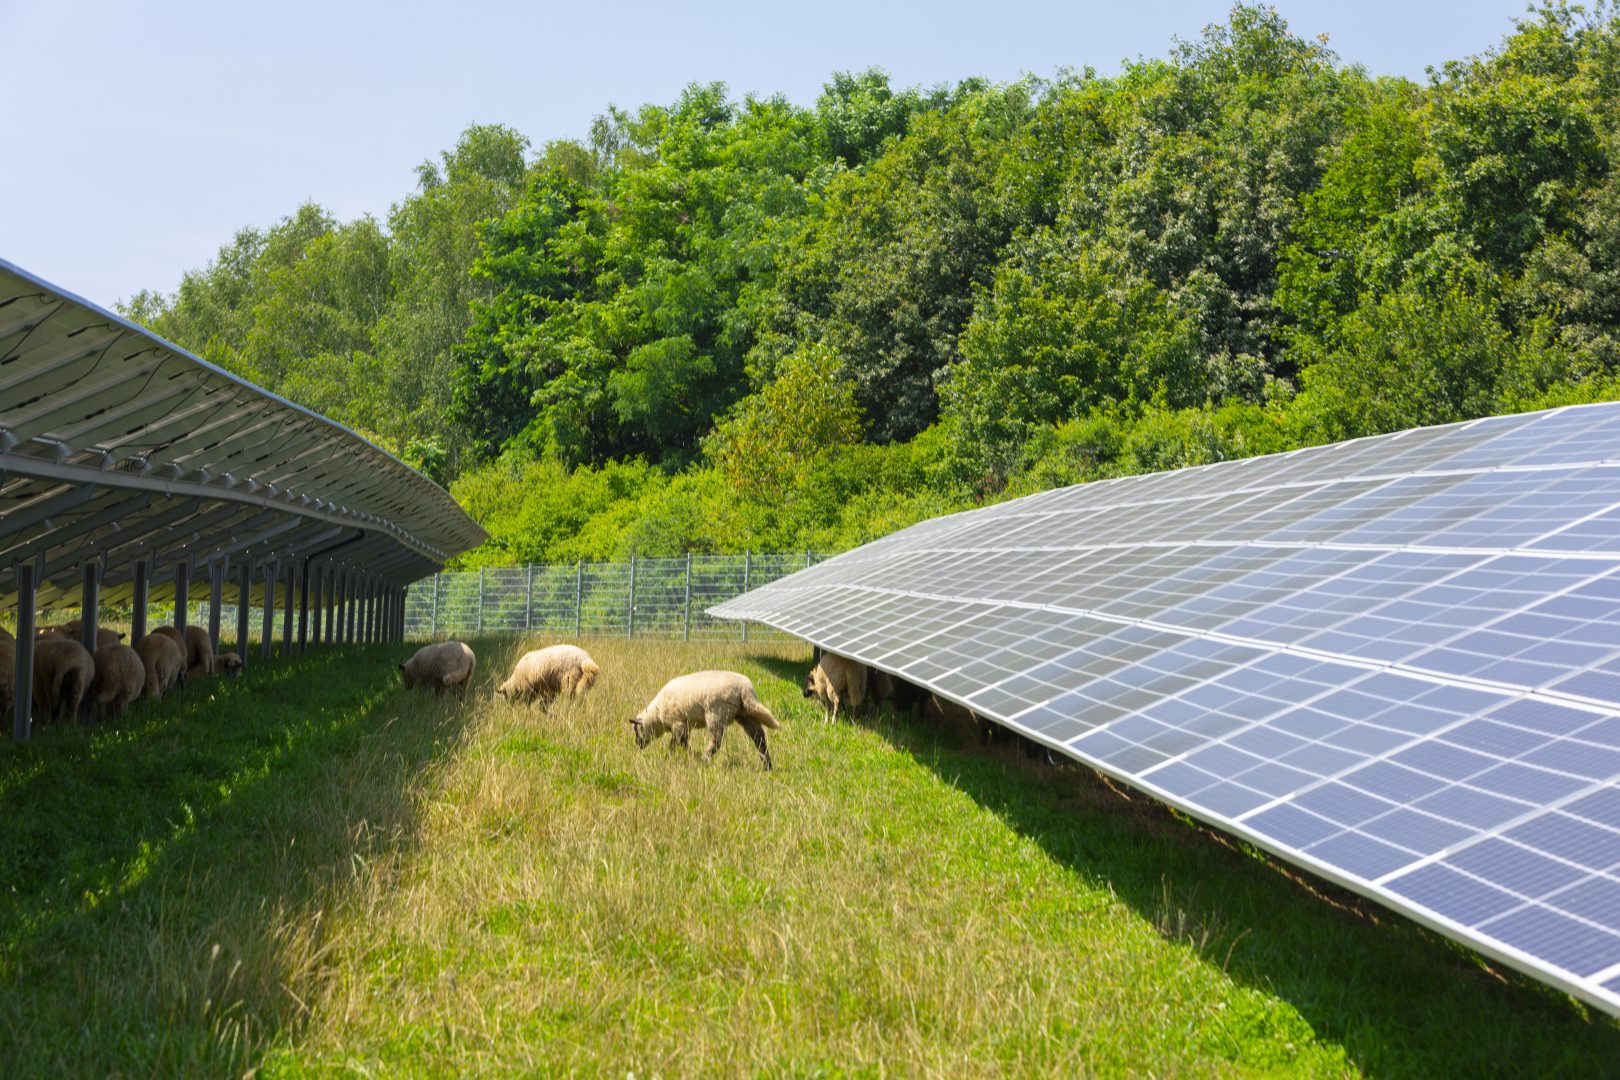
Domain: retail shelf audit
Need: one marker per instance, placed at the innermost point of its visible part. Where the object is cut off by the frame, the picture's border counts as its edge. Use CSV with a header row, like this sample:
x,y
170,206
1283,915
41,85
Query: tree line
x,y
720,324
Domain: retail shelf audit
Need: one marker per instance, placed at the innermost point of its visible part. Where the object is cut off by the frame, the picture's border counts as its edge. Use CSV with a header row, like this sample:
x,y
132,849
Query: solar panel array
x,y
1394,661
119,447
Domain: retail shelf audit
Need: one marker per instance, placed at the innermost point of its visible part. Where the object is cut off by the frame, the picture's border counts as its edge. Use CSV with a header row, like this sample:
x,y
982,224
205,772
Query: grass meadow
x,y
308,872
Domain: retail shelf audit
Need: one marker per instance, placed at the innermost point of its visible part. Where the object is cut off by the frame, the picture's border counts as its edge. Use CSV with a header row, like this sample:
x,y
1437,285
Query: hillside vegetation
x,y
310,872
721,324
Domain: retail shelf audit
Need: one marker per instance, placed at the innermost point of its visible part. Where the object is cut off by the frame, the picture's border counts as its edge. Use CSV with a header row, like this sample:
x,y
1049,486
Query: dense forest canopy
x,y
724,324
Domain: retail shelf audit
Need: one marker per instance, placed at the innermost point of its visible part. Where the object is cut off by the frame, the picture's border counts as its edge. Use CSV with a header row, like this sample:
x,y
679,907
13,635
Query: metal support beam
x,y
143,591
22,705
244,600
89,614
315,601
340,585
287,609
330,633
216,597
267,632
303,609
182,595
351,608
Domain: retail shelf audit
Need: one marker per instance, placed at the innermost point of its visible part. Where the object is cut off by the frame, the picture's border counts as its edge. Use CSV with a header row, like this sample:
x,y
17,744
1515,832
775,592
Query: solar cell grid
x,y
1396,661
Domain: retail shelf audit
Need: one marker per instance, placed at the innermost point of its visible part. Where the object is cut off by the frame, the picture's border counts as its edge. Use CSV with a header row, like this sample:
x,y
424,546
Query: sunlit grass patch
x,y
311,872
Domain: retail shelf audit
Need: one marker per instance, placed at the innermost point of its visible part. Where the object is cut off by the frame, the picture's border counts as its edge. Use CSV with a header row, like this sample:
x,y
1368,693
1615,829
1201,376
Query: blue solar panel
x,y
1395,661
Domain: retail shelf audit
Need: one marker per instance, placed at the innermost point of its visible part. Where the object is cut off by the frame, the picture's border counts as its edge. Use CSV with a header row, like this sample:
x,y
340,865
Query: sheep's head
x,y
810,683
229,663
405,677
645,731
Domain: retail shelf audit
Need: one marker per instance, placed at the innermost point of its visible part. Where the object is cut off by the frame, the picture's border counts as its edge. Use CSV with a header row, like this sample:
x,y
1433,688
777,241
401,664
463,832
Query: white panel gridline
x,y
1394,661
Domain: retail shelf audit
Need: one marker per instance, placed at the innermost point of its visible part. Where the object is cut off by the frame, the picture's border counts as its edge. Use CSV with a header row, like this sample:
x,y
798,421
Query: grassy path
x,y
310,873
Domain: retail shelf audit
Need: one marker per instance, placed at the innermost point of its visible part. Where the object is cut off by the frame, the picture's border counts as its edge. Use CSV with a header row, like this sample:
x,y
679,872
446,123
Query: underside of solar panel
x,y
120,448
1393,661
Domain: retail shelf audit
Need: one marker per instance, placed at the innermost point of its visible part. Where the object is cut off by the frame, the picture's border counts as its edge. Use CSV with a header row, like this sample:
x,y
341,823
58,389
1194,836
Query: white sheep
x,y
836,681
119,679
62,672
443,665
710,699
195,646
70,629
556,671
163,662
228,663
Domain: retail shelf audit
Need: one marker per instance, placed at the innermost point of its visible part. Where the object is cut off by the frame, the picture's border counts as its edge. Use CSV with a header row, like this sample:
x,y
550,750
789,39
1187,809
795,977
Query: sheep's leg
x,y
678,734
756,731
717,731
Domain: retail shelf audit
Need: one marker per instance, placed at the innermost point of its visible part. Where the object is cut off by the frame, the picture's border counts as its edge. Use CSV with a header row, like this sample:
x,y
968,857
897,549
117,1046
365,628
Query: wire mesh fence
x,y
656,598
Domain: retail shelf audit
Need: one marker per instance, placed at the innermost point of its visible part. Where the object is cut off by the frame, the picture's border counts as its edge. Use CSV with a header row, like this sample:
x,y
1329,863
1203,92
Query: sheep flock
x,y
71,682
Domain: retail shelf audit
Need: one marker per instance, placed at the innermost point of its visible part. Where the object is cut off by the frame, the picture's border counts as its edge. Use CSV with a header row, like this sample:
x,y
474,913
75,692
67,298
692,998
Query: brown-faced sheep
x,y
62,673
710,699
120,677
228,663
163,662
556,671
70,629
837,682
443,665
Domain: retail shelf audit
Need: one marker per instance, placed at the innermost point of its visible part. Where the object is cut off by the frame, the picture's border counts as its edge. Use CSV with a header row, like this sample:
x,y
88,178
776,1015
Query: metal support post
x,y
528,599
630,604
579,594
182,595
480,623
433,625
267,632
137,613
316,600
332,579
351,596
89,614
287,610
216,593
22,704
244,601
303,609
748,569
687,604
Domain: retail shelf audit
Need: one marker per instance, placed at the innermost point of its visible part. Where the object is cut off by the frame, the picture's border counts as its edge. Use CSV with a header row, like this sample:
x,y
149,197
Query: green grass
x,y
308,872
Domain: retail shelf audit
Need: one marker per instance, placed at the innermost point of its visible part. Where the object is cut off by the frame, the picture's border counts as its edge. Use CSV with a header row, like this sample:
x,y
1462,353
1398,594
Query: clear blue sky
x,y
140,137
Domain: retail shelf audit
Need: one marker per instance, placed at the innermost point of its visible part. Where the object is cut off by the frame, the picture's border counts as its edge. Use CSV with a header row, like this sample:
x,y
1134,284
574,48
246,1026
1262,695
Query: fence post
x,y
579,593
479,625
808,560
688,604
528,602
433,624
630,606
748,566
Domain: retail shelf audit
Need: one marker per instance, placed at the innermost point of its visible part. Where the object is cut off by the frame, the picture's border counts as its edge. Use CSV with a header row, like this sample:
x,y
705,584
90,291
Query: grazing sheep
x,y
119,679
104,637
62,673
8,676
902,696
557,671
836,681
195,646
163,662
447,664
710,699
228,664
